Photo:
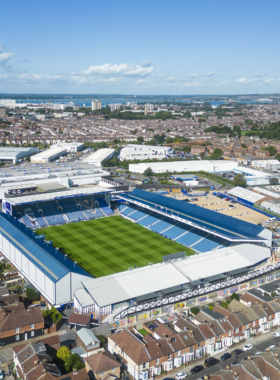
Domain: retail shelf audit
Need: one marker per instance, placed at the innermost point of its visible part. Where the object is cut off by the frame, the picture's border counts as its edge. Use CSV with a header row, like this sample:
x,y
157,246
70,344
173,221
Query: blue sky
x,y
140,47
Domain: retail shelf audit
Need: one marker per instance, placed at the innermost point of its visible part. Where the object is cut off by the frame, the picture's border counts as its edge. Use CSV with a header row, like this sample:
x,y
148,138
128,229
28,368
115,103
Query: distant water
x,y
108,100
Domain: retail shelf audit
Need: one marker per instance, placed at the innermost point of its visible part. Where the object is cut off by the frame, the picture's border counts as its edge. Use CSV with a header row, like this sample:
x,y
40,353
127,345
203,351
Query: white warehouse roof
x,y
49,153
266,192
100,155
130,284
7,153
185,166
245,194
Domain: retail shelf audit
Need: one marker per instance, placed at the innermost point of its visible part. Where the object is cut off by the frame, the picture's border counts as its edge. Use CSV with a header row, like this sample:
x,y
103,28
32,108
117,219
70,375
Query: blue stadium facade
x,y
54,275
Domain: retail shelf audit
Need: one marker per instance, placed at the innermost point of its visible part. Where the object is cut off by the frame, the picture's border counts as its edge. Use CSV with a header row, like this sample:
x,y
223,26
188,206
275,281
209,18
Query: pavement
x,y
259,343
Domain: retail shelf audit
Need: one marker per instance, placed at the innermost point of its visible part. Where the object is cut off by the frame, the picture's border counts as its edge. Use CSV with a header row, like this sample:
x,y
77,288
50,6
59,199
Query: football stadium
x,y
72,246
110,245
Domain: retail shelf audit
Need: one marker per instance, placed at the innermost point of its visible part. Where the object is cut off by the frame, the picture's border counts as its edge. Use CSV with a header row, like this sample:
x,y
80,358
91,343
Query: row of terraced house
x,y
163,344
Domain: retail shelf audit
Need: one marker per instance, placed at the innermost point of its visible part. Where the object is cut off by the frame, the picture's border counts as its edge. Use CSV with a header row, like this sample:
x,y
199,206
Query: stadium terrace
x,y
217,224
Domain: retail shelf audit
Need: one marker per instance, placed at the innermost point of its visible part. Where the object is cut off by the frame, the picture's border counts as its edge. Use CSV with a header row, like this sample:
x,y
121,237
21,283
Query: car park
x,y
197,369
248,347
226,356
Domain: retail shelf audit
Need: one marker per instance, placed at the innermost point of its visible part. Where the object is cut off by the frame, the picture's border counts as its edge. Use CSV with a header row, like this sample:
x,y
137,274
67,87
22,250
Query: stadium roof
x,y
135,283
55,195
203,217
44,256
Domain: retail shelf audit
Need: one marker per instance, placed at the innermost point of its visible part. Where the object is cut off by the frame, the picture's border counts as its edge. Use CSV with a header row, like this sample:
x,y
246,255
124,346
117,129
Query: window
x,y
32,333
169,356
229,333
144,365
17,330
236,331
254,323
113,370
157,361
179,353
32,327
17,337
101,373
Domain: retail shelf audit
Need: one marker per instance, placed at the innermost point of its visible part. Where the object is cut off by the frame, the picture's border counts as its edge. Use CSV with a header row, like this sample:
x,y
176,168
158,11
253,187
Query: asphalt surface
x,y
6,356
257,346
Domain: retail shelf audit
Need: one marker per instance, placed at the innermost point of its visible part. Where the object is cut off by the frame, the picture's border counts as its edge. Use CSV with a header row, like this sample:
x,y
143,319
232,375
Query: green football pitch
x,y
110,245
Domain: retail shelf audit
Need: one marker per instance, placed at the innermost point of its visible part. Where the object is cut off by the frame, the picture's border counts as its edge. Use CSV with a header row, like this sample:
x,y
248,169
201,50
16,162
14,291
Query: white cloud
x,y
4,55
124,69
242,80
210,74
193,75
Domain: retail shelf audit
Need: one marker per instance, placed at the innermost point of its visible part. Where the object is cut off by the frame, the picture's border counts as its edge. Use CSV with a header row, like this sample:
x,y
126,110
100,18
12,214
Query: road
x,y
261,345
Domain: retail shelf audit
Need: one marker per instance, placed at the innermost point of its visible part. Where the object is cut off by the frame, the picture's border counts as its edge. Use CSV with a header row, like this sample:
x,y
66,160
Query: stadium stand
x,y
182,233
44,214
199,217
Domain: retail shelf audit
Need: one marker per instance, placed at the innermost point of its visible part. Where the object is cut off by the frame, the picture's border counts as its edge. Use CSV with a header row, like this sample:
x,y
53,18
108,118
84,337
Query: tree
x,y
235,296
32,294
140,139
216,154
195,310
202,155
63,353
102,339
239,180
74,361
277,156
271,149
273,181
148,172
28,158
244,146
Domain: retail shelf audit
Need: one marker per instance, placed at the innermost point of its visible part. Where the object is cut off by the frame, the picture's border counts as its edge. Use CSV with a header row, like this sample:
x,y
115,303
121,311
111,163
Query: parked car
x,y
169,378
248,347
196,369
236,352
270,347
211,361
226,356
1,375
276,334
181,375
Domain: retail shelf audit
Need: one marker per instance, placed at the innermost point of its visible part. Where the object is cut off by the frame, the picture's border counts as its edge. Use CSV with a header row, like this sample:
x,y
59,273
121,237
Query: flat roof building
x,y
12,154
144,152
185,166
99,156
49,155
71,147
